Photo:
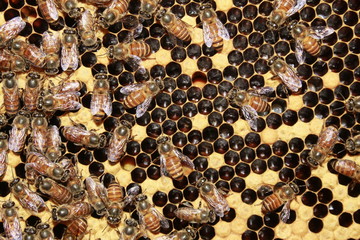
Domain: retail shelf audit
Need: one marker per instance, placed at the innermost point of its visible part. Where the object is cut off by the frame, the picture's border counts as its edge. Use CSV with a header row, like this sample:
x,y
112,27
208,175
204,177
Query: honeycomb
x,y
192,110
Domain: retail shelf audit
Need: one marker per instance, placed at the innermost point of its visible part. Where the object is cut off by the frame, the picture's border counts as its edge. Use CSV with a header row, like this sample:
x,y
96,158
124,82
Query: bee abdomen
x,y
134,99
218,44
258,104
346,167
11,101
180,31
140,49
152,223
286,5
311,45
175,168
271,203
114,192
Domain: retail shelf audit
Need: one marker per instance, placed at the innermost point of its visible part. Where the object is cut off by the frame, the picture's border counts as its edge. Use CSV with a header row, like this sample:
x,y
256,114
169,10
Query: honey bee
x,y
80,136
68,86
51,45
114,211
113,13
87,31
11,93
286,74
99,3
53,143
48,11
97,195
213,29
101,103
29,233
74,183
149,216
11,221
10,30
171,159
4,149
308,39
192,215
38,162
214,197
39,127
117,144
282,10
69,50
134,49
58,193
141,94
70,7
251,102
32,91
148,8
186,234
353,104
19,132
11,62
173,25
45,232
30,52
76,229
352,145
71,211
326,141
131,231
66,101
348,168
281,196
28,199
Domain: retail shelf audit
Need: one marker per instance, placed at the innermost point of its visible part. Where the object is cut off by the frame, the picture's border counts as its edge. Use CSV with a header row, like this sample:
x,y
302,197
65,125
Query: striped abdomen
x,y
11,100
31,98
152,222
140,49
258,104
115,193
135,98
121,6
179,29
34,55
348,168
311,45
218,41
286,5
77,227
174,167
271,203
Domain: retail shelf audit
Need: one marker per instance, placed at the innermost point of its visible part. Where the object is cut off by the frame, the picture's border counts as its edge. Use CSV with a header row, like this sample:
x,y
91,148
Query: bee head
x,y
131,222
20,64
294,187
162,140
8,204
160,13
16,45
212,216
45,234
313,158
30,230
191,232
272,61
349,104
61,212
271,25
350,145
201,182
75,12
126,123
159,82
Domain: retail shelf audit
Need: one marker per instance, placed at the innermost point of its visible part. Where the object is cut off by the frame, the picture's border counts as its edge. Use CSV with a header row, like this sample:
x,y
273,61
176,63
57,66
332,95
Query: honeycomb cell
x,y
96,168
273,120
215,119
191,193
309,199
190,109
201,163
205,107
178,54
357,216
258,166
242,170
303,172
289,117
207,232
168,210
237,184
235,58
351,61
255,222
153,172
345,219
320,210
248,196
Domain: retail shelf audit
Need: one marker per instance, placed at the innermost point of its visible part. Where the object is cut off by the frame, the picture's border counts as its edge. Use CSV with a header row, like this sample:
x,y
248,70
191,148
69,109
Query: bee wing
x,y
131,88
285,212
250,115
142,108
290,79
32,202
107,104
208,38
217,202
222,31
16,137
52,10
266,91
12,228
166,237
95,104
299,5
3,162
184,159
69,58
54,135
319,32
163,221
12,27
299,52
102,193
137,31
163,170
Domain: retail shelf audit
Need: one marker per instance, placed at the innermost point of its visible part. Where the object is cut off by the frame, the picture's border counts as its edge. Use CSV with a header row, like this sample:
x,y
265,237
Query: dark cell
x,y
354,88
354,5
261,66
320,68
159,199
148,145
195,137
192,9
193,51
304,71
263,151
226,131
237,184
190,151
226,172
143,160
10,14
71,147
255,222
201,163
215,119
280,148
158,115
271,37
240,42
168,210
351,18
337,108
325,195
251,55
231,115
308,14
204,64
245,27
266,233
258,166
88,59
153,172
163,100
4,189
250,12
242,169
247,154
235,57
194,94
335,207
178,97
259,26
309,198
205,107
167,42
100,155
230,73
314,184
357,216
345,219
252,139
183,81
154,44
248,196
249,235
191,193
326,96
354,45
234,15
339,6
173,69
208,51
178,54
345,34
221,146
273,120
306,114
315,84
246,70
346,77
341,49
210,134
85,157
303,172
210,92
184,124
194,177
232,29
275,163
207,232
351,61
236,142
282,48
156,30
180,184
214,76
96,168
179,139
211,174
190,109
271,219
286,175
205,149
336,64
59,230
320,210
348,120
266,51
153,130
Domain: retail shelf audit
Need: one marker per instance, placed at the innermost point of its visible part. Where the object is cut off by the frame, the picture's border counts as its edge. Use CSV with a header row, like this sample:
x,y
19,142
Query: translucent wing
x,y
32,202
208,38
131,88
142,108
290,79
12,228
52,9
69,58
137,31
163,166
277,4
222,31
299,52
319,32
166,237
3,162
184,159
12,28
299,5
250,116
285,212
217,202
265,91
164,223
17,139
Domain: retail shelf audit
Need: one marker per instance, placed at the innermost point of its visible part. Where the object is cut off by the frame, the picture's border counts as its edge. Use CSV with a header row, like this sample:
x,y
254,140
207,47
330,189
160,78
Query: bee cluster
x,y
199,124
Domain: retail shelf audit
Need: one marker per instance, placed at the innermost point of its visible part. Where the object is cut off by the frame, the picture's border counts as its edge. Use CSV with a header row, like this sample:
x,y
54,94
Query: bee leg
x,y
224,191
187,204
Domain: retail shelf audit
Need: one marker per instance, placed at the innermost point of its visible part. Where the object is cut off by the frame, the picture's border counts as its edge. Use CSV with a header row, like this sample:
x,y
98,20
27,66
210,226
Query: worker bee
x,y
12,62
45,167
282,10
45,232
87,31
141,94
39,127
214,197
76,229
171,159
10,30
135,50
131,231
32,91
53,143
11,221
192,215
114,211
80,136
19,132
70,7
11,93
97,195
99,3
282,195
326,141
71,211
4,149
74,183
113,13
308,39
173,25
68,86
117,144
58,193
30,52
352,145
251,102
348,168
286,74
51,45
149,216
69,50
28,199
29,233
66,101
148,8
213,29
186,234
101,103
48,11
353,104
